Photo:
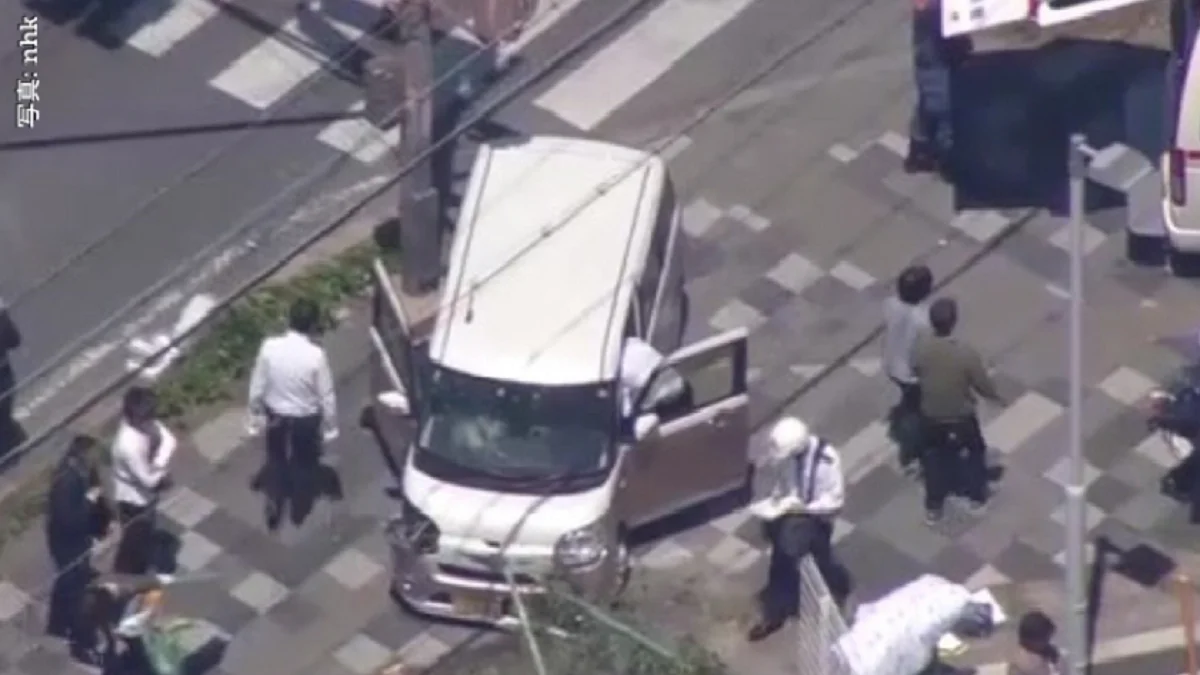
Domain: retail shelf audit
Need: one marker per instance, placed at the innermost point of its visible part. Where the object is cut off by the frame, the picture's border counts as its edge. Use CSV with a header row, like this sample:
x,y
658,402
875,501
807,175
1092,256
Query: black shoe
x,y
764,629
274,514
920,162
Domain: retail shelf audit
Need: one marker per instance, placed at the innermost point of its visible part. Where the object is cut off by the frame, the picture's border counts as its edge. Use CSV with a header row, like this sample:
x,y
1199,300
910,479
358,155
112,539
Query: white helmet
x,y
789,436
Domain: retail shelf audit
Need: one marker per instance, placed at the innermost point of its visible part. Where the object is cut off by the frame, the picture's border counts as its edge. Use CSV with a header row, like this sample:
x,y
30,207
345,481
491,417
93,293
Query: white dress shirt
x,y
638,362
135,477
292,378
809,482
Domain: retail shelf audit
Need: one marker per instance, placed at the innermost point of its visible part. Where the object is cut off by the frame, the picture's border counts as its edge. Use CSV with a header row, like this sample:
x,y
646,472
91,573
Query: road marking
x,y
633,61
155,34
276,65
542,20
358,137
66,376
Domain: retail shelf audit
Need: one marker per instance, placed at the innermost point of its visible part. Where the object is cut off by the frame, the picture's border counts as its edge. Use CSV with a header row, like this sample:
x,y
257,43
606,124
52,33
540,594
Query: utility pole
x,y
1079,154
420,206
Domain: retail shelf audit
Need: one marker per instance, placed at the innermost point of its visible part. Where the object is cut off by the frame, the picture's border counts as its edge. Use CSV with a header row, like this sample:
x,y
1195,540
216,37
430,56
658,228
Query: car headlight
x,y
581,548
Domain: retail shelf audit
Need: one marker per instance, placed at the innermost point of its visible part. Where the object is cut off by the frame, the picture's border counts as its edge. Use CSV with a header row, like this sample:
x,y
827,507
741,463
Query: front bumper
x,y
438,590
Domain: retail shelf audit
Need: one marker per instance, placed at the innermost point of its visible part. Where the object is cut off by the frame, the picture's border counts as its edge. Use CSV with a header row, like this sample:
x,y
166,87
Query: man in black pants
x,y
906,318
141,454
10,340
291,391
936,60
808,490
951,375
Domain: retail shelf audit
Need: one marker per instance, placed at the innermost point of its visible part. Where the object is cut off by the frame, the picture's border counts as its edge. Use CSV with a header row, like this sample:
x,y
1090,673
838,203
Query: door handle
x,y
718,421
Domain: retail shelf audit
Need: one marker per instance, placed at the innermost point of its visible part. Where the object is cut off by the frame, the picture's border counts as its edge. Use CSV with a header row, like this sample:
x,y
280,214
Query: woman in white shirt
x,y
141,453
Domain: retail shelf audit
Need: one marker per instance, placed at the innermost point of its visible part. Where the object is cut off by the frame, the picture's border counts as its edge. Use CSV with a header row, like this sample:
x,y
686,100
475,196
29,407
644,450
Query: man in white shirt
x,y
141,454
808,490
638,362
291,390
906,318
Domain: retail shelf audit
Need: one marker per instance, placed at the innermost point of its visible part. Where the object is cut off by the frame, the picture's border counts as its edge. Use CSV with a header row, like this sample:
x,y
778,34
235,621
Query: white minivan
x,y
1181,162
522,464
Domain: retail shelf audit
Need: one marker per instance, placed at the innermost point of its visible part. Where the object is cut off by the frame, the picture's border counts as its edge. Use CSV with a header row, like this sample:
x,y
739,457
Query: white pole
x,y
1076,628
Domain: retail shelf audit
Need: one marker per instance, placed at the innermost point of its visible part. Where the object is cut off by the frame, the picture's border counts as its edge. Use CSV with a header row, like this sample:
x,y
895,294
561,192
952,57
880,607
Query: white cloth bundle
x,y
897,634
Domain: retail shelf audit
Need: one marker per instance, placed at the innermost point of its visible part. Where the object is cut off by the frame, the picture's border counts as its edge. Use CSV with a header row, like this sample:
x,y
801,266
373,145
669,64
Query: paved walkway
x,y
798,217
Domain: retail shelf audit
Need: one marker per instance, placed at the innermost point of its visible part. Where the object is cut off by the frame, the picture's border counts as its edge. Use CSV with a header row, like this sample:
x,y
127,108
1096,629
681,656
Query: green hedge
x,y
217,364
224,356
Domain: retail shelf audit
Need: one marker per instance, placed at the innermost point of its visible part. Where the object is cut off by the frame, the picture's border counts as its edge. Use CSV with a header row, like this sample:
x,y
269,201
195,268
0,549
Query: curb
x,y
1161,642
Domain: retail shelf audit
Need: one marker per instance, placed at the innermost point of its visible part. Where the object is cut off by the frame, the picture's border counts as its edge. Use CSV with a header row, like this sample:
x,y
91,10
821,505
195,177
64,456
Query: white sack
x,y
897,634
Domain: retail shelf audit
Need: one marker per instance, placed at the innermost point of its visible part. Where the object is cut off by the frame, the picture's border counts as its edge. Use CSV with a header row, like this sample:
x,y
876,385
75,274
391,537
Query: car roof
x,y
551,237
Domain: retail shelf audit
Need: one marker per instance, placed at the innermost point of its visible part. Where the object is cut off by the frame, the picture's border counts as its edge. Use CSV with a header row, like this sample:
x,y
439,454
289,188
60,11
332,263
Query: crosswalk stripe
x,y
155,35
630,63
358,137
548,13
266,73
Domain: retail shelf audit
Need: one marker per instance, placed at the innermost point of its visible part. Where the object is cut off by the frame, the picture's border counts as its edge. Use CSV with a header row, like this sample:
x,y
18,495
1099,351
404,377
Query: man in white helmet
x,y
805,491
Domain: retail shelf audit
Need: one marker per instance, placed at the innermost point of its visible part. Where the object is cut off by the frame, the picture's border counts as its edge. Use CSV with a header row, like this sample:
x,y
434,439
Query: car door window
x,y
697,377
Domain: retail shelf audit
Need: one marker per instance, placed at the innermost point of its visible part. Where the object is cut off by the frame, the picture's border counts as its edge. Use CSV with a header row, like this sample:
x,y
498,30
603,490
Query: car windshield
x,y
514,430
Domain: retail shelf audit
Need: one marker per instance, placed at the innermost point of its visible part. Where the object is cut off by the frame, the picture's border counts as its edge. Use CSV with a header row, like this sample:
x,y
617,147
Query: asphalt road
x,y
138,172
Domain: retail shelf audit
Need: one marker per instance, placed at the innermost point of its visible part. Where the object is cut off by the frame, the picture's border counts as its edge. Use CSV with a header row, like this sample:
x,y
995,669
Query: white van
x,y
523,465
1181,162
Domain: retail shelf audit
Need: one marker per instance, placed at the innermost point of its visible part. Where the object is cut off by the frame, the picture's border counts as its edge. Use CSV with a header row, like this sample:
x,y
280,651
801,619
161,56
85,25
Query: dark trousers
x,y
135,552
73,569
293,459
792,537
8,423
955,457
931,131
906,421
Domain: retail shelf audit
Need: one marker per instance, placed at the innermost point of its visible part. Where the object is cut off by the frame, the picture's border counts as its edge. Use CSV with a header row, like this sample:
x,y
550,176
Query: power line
x,y
630,7
298,187
264,118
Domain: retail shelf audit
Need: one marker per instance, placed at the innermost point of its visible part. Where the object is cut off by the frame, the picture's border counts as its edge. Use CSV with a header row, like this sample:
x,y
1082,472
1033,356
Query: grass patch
x,y
219,361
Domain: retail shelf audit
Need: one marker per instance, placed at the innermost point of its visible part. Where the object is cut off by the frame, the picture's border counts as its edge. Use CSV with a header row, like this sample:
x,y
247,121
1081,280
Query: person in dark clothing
x,y
76,516
1036,653
936,60
906,318
951,375
10,340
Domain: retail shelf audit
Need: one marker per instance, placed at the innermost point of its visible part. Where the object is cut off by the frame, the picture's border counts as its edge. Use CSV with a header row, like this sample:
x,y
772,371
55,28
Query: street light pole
x,y
1076,527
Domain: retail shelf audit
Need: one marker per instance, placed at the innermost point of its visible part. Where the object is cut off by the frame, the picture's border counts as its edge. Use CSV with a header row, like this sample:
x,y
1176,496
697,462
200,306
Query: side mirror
x,y
395,401
645,425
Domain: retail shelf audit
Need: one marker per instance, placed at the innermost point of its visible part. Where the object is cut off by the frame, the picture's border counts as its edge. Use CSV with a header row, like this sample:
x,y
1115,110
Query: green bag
x,y
164,648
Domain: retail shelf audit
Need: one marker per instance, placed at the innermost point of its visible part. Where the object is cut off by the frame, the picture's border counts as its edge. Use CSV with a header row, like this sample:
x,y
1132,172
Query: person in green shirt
x,y
951,376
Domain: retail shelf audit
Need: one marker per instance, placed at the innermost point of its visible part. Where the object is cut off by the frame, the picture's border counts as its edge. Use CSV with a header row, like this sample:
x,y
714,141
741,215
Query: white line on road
x,y
275,66
548,14
633,61
358,137
69,374
151,30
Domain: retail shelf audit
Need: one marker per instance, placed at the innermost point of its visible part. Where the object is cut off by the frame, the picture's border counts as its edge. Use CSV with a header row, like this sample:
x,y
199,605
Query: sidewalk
x,y
798,216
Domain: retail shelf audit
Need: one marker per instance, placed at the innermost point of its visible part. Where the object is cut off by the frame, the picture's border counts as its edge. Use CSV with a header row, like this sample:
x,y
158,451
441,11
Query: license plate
x,y
468,603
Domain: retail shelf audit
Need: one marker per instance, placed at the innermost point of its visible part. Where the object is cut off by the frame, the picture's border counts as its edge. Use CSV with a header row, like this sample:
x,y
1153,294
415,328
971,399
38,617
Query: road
x,y
797,216
139,172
